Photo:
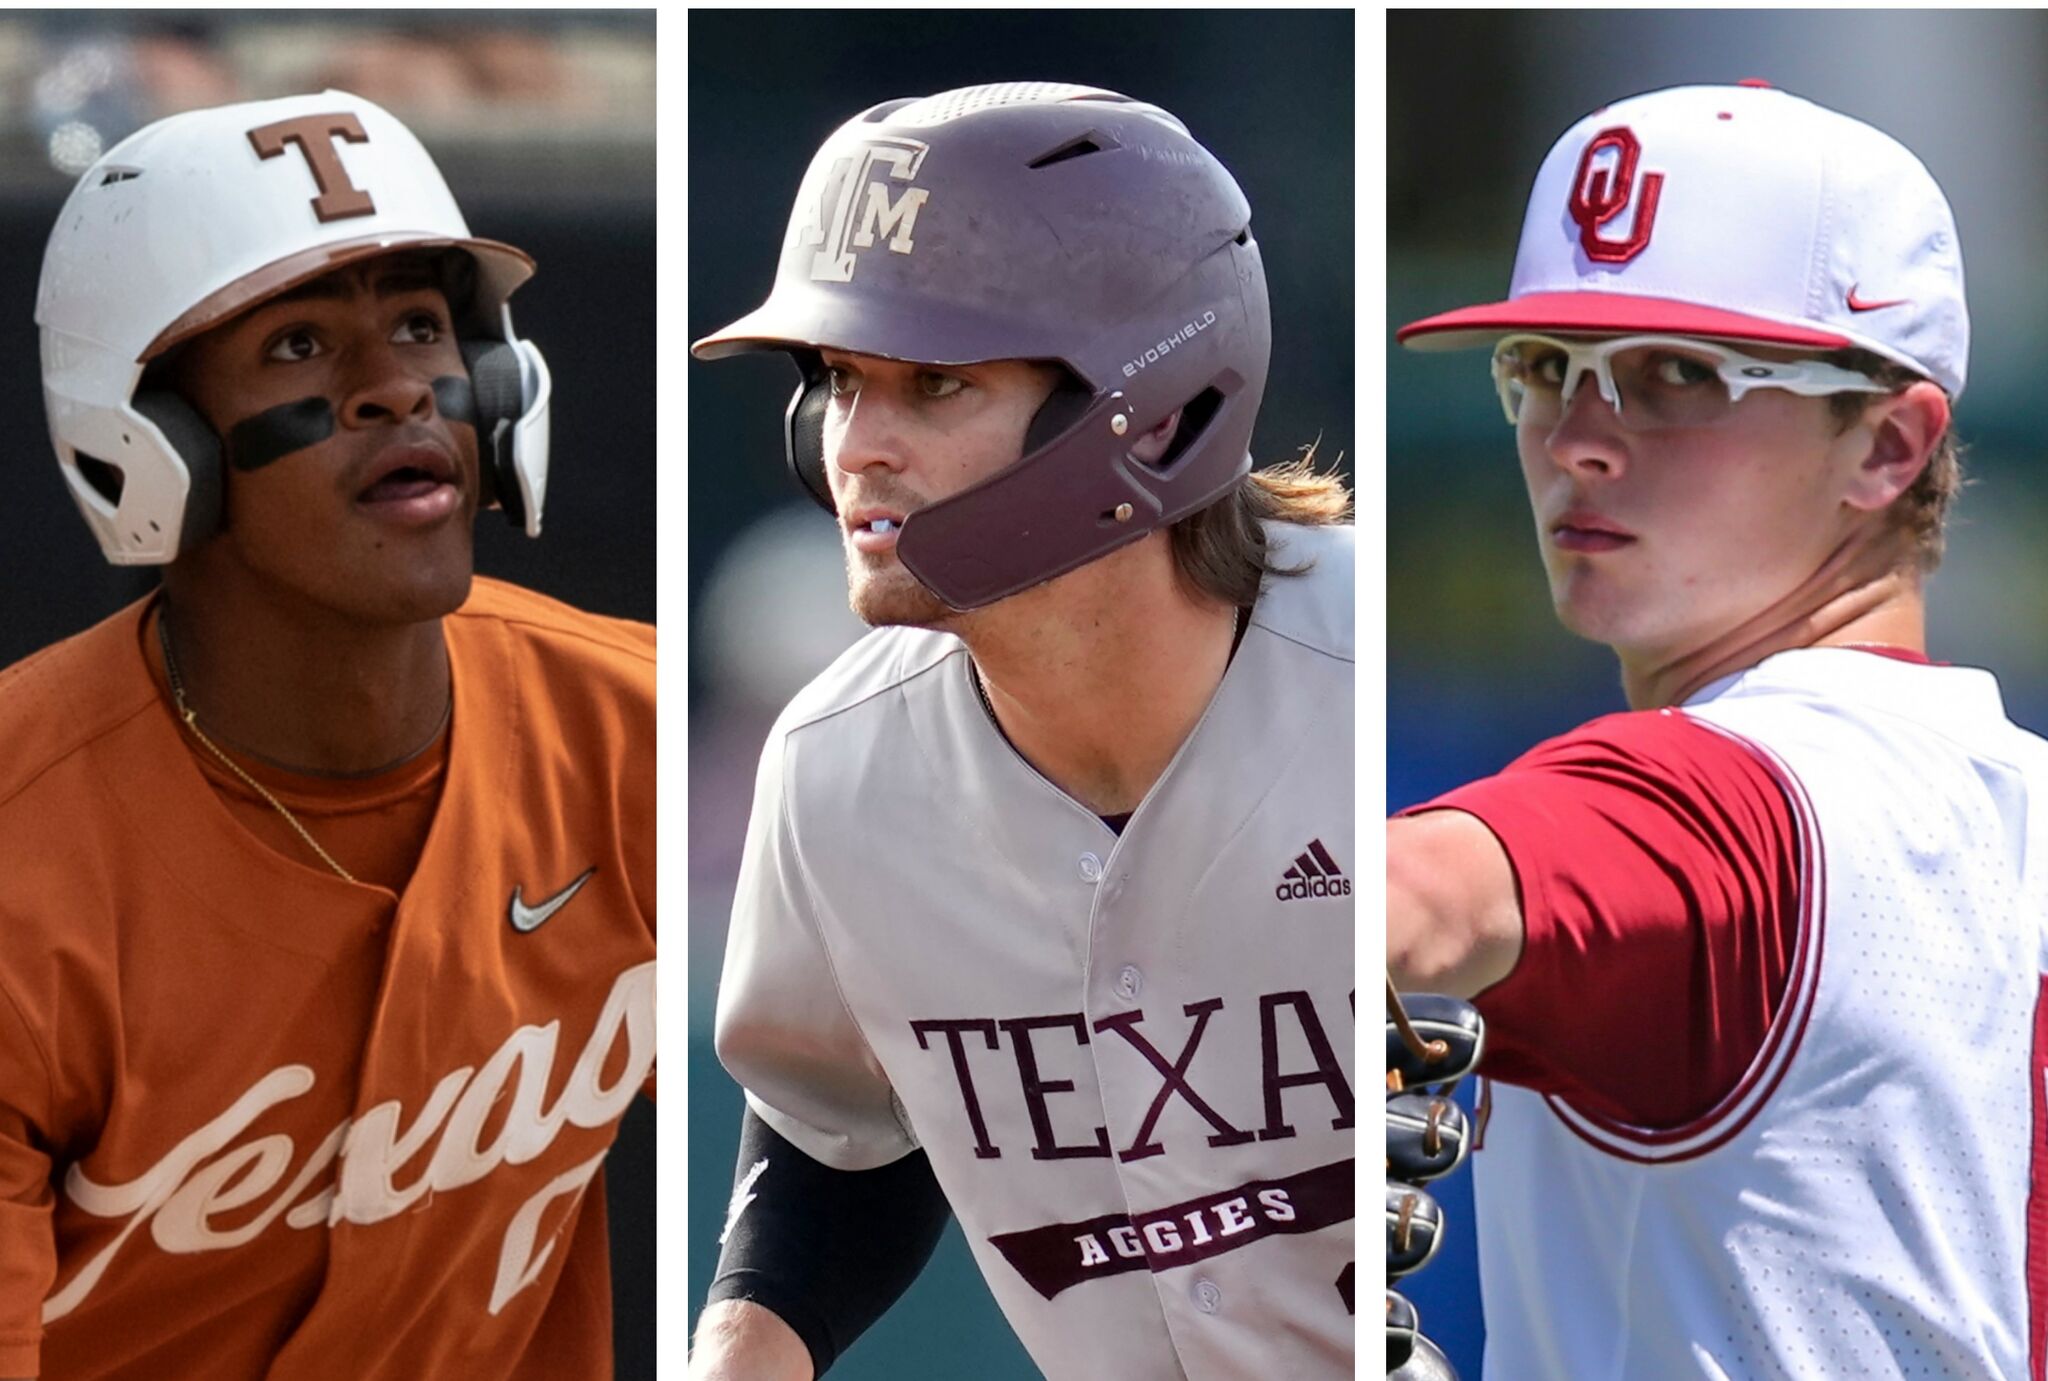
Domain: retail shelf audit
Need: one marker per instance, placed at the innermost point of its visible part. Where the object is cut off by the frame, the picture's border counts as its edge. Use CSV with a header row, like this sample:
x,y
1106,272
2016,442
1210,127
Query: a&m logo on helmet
x,y
1603,187
862,200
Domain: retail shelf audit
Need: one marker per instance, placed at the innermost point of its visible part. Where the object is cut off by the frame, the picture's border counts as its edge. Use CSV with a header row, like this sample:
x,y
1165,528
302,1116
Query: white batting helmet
x,y
202,215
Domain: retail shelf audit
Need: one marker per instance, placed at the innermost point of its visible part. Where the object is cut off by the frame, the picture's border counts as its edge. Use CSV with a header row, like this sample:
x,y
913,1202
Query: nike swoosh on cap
x,y
1857,304
525,918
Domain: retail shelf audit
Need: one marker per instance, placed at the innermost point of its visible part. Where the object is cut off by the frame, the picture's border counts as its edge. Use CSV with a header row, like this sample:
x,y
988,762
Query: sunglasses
x,y
1652,381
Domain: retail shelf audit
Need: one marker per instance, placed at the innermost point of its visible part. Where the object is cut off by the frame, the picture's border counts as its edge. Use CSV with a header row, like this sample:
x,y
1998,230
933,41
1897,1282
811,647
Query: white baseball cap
x,y
1738,213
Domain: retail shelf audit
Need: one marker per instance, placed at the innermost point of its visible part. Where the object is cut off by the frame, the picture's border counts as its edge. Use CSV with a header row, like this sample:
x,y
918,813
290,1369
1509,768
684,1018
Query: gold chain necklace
x,y
191,718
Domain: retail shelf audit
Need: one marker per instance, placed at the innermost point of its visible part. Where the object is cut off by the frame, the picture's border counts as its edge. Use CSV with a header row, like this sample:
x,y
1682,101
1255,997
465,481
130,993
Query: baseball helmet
x,y
1032,221
203,215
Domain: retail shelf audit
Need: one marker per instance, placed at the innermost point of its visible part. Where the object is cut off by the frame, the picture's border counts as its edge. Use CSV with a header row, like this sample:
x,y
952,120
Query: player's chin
x,y
893,598
1610,617
1588,607
433,582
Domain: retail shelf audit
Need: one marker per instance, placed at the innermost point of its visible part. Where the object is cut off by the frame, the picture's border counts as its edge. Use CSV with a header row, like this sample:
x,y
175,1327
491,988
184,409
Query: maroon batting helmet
x,y
1031,221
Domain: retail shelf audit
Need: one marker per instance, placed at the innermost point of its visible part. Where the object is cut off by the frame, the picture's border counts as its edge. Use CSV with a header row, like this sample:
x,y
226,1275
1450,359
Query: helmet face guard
x,y
1031,221
201,216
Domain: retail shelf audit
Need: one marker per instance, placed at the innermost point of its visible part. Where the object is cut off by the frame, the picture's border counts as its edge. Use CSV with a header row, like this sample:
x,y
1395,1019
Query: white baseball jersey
x,y
1859,1205
1128,1057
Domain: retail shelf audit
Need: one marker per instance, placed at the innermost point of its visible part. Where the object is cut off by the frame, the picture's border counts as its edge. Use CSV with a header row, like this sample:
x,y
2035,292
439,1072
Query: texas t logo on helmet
x,y
207,214
314,136
851,209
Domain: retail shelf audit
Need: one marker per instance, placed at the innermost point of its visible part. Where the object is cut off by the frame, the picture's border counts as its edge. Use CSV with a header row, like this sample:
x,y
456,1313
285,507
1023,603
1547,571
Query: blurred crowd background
x,y
1271,93
1477,669
543,123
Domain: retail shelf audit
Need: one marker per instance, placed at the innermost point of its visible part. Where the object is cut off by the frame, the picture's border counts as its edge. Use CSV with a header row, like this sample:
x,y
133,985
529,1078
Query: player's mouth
x,y
412,485
1584,533
874,529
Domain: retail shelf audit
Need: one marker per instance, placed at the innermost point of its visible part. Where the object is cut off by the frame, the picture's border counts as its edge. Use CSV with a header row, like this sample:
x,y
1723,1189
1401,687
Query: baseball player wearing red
x,y
326,962
1044,910
1762,960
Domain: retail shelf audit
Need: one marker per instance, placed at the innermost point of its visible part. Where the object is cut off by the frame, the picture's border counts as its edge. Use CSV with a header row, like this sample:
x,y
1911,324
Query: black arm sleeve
x,y
826,1251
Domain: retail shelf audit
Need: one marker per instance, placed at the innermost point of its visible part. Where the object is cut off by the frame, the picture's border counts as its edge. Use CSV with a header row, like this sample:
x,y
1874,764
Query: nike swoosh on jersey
x,y
525,918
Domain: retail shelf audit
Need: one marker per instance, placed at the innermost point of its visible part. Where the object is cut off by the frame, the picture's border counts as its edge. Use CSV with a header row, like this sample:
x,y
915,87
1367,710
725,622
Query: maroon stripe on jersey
x,y
1760,1080
2037,1201
1059,1255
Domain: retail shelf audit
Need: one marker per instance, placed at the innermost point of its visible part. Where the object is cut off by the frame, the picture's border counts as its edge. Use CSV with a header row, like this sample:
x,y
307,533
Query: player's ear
x,y
1152,445
1903,430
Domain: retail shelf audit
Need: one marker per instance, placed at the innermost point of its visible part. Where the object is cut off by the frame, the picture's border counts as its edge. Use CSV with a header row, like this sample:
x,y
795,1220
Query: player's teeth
x,y
882,525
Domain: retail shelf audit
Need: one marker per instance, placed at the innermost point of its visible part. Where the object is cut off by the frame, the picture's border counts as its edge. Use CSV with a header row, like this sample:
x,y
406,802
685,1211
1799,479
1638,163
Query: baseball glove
x,y
1433,1041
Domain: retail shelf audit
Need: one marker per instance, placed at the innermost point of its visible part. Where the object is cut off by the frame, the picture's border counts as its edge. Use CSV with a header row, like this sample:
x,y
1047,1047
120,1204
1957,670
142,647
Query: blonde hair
x,y
1220,551
1922,511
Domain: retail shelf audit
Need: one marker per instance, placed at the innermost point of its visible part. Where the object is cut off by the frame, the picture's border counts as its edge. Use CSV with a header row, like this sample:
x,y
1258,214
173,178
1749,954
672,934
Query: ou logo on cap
x,y
1601,193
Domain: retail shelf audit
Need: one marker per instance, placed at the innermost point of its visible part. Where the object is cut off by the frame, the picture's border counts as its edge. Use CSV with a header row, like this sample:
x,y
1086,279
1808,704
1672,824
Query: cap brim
x,y
760,329
500,269
1606,313
912,329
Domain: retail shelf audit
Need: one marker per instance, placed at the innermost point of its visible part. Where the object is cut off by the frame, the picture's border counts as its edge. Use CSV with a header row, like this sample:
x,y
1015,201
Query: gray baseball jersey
x,y
1128,1057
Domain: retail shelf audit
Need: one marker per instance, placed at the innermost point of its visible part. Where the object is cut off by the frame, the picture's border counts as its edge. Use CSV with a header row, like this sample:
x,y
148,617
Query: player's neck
x,y
1098,678
302,687
1867,592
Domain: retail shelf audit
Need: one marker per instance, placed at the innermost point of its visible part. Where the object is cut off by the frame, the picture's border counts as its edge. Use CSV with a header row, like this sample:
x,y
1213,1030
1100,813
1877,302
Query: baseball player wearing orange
x,y
1761,960
326,961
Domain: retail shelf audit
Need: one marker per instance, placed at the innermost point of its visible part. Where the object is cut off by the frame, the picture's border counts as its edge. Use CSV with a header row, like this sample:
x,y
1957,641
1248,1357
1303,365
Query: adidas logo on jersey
x,y
1313,874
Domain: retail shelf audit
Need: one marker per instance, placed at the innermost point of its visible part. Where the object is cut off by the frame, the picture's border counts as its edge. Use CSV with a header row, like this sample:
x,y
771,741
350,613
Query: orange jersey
x,y
257,1121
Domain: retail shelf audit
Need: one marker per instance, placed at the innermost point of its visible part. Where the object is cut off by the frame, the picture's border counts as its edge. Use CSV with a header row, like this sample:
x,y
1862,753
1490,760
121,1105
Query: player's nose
x,y
865,433
1588,437
379,387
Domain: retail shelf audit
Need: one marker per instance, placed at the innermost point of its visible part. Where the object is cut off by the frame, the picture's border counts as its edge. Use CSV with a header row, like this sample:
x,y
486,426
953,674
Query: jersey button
x,y
1091,868
1128,981
1208,1298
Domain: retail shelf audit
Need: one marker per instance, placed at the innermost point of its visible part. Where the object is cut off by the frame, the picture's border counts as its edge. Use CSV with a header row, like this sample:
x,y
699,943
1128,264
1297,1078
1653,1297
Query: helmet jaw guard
x,y
1081,494
197,218
1065,225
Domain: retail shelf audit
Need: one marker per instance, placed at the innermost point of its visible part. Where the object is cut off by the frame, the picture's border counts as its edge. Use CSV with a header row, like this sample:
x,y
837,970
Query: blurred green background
x,y
1477,670
1271,93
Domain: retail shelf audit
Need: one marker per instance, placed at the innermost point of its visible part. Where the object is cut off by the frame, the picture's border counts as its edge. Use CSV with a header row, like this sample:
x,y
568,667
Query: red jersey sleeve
x,y
1657,861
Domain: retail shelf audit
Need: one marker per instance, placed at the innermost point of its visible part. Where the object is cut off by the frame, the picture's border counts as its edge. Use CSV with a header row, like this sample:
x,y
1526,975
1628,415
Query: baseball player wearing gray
x,y
1045,905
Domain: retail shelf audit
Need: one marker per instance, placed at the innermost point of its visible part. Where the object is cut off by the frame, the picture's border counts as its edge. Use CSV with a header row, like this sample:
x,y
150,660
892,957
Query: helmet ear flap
x,y
499,401
804,430
1068,402
196,443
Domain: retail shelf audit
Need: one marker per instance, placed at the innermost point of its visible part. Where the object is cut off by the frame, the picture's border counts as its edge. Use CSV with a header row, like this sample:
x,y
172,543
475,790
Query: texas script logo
x,y
209,1173
853,207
